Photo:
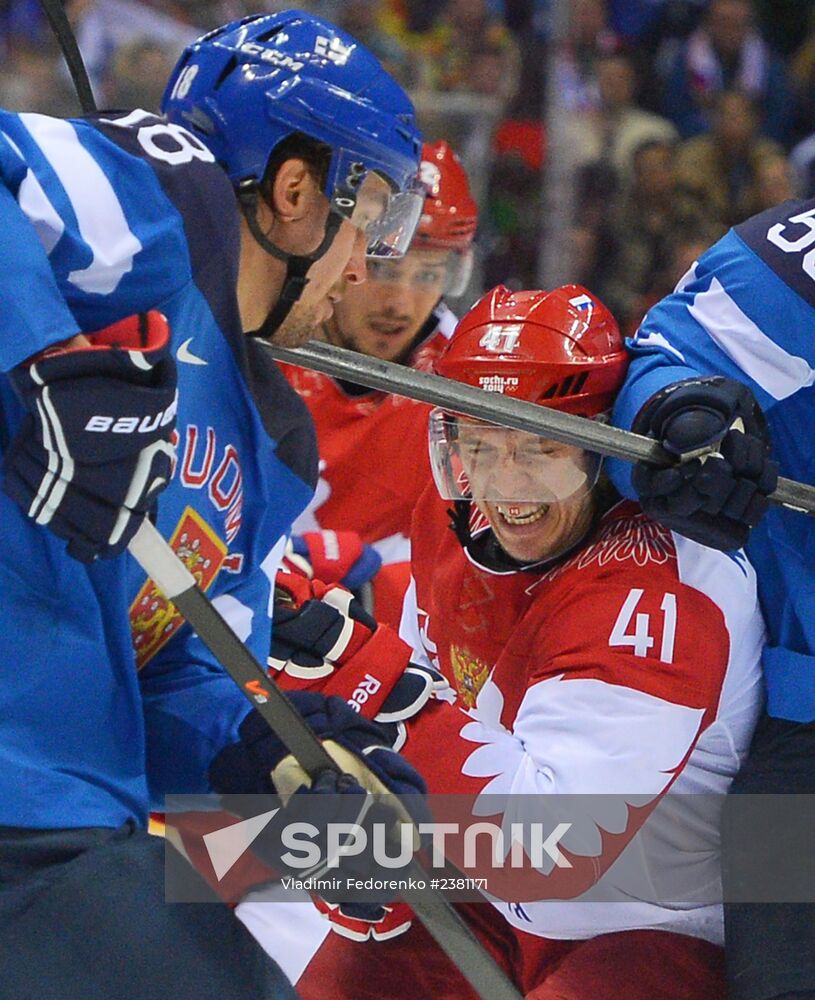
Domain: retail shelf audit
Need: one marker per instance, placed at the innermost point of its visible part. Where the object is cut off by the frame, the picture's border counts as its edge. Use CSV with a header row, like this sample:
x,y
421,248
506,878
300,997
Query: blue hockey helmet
x,y
245,87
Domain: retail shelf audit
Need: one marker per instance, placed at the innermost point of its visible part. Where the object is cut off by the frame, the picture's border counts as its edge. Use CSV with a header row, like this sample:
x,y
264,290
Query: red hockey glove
x,y
94,451
366,921
323,640
333,557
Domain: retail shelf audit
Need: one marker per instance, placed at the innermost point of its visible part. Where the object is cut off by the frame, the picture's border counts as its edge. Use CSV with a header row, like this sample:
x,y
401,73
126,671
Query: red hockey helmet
x,y
561,349
449,215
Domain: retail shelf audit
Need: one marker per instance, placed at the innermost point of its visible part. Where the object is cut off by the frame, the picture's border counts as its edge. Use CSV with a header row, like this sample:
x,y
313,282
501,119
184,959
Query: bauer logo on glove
x,y
95,449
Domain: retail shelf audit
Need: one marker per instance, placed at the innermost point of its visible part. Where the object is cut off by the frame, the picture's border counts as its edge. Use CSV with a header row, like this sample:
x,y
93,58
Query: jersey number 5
x,y
641,639
776,236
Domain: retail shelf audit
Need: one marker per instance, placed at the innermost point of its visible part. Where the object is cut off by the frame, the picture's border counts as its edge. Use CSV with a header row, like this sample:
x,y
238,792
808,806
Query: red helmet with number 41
x,y
561,349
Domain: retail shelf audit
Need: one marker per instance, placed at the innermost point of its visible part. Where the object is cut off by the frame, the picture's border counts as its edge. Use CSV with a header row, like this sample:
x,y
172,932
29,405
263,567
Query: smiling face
x,y
536,494
383,318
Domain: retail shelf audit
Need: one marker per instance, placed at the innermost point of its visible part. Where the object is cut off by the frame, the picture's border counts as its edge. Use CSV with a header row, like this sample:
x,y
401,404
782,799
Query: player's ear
x,y
292,190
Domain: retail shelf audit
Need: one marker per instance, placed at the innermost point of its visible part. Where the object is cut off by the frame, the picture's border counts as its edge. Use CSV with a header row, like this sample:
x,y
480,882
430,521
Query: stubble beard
x,y
296,329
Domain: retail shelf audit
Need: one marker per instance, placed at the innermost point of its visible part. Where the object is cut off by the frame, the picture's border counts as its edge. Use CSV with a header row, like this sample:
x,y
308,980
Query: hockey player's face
x,y
299,228
343,266
383,318
529,489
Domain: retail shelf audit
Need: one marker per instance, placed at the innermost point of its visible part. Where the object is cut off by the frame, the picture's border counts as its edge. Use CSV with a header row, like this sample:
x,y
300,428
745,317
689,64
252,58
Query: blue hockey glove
x,y
245,767
94,452
260,763
716,497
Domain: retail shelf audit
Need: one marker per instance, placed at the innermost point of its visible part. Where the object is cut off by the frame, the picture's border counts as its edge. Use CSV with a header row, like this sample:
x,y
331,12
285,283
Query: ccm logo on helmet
x,y
131,425
273,56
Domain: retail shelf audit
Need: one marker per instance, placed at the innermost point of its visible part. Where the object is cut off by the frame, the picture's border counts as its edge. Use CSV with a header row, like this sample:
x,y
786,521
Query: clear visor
x,y
387,218
473,460
458,274
430,271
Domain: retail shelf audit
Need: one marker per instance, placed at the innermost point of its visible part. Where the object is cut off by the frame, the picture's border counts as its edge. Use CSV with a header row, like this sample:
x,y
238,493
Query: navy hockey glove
x,y
366,921
716,497
94,452
259,762
246,767
417,684
316,628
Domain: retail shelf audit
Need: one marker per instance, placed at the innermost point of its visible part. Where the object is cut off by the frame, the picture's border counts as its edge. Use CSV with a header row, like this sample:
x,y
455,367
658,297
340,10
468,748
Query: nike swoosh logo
x,y
185,354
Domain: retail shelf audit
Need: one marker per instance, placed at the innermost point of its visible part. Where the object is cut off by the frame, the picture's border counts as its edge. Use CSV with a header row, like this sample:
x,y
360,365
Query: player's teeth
x,y
513,515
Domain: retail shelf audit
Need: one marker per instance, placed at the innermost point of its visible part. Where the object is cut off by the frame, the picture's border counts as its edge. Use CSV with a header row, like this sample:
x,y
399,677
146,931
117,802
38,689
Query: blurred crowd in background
x,y
610,141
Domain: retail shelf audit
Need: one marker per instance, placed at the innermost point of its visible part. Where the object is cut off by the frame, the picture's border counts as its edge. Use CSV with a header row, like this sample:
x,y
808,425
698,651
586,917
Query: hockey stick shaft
x,y
60,25
160,563
158,560
499,409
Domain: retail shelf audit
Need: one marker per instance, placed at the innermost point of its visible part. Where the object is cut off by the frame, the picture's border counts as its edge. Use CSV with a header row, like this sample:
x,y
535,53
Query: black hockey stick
x,y
160,563
58,19
450,932
500,409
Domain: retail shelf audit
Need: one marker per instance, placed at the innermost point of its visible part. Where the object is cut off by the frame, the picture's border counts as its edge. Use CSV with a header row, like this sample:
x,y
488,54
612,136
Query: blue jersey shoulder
x,y
784,238
129,209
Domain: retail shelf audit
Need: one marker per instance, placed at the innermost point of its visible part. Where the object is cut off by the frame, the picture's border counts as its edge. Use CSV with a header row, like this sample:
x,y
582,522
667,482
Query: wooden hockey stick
x,y
160,563
450,932
499,409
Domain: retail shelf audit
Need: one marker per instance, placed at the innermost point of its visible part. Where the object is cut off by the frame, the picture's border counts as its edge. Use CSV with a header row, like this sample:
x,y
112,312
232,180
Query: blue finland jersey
x,y
107,700
747,311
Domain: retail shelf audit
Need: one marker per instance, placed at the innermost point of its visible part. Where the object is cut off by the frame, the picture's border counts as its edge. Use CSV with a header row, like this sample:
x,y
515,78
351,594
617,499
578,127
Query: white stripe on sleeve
x,y
778,373
99,214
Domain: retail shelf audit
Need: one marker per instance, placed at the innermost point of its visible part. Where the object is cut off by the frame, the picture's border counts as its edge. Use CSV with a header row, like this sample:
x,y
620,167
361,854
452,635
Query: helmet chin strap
x,y
297,265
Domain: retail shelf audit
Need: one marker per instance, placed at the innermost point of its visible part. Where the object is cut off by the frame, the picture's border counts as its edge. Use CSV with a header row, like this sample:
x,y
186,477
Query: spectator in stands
x,y
726,52
635,235
718,173
632,18
102,26
801,71
775,182
30,78
22,22
463,29
513,209
138,72
618,127
576,62
688,242
802,165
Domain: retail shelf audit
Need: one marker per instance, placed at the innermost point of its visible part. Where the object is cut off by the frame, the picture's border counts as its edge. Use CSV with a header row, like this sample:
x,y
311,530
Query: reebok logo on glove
x,y
362,692
130,425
